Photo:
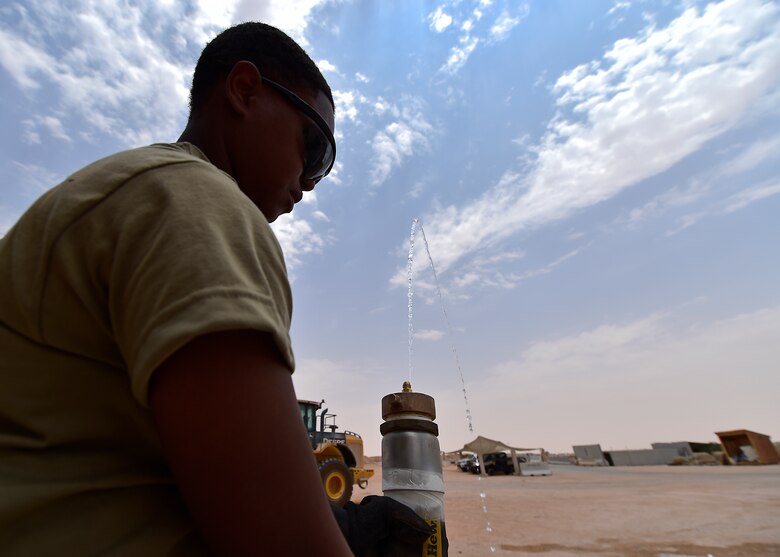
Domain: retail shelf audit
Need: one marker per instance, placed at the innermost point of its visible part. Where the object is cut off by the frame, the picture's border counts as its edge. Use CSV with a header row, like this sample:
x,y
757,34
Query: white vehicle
x,y
465,464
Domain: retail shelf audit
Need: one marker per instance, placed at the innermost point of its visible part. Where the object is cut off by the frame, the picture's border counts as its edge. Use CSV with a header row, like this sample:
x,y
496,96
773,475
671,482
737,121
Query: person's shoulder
x,y
161,174
125,165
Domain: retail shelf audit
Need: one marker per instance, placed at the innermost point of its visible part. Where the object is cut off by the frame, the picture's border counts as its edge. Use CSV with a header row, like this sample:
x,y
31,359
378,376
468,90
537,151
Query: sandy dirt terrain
x,y
647,511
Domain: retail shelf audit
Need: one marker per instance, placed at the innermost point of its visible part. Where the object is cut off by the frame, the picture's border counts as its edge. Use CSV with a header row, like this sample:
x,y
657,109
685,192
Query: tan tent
x,y
483,445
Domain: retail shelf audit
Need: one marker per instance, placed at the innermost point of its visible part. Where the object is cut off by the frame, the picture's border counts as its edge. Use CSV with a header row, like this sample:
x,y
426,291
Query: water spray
x,y
411,458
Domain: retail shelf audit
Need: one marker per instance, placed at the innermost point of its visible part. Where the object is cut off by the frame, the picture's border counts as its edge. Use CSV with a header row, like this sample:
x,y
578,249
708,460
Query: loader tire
x,y
337,480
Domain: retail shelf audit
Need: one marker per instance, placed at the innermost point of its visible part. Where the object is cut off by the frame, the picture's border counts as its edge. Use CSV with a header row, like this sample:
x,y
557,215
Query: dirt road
x,y
648,511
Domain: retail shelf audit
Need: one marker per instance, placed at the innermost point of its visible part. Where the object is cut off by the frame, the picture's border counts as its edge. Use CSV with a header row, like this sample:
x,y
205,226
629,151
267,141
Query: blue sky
x,y
598,183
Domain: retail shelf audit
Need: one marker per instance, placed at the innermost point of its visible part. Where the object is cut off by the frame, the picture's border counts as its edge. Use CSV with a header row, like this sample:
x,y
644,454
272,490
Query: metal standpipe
x,y
411,465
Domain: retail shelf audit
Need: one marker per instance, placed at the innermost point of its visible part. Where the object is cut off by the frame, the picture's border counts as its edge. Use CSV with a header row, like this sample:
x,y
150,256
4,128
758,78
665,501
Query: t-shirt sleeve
x,y
192,256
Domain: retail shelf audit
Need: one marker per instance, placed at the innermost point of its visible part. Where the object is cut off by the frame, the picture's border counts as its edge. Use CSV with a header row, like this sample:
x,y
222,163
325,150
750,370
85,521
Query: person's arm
x,y
229,423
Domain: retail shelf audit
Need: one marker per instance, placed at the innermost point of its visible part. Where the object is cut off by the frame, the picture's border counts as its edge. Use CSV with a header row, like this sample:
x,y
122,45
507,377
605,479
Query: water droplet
x,y
482,494
492,549
488,529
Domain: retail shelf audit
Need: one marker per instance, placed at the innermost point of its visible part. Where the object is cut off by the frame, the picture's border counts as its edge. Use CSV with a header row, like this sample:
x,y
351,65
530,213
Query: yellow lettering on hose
x,y
432,547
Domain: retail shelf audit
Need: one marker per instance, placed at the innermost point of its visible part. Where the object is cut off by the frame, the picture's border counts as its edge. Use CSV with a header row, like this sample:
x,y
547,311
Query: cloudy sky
x,y
597,182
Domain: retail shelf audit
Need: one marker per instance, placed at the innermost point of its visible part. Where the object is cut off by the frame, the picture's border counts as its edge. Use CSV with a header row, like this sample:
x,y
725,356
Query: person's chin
x,y
272,216
270,213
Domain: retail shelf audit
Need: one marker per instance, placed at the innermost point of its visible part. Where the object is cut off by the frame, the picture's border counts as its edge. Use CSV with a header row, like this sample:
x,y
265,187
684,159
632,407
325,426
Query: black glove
x,y
378,523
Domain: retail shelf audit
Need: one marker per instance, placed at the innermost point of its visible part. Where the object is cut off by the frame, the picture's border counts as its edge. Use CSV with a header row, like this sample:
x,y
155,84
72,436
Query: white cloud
x,y
466,279
439,20
470,37
291,16
30,135
750,196
523,140
326,66
678,196
417,189
35,178
619,5
123,70
399,139
428,334
103,62
315,369
481,272
686,222
503,256
583,350
550,266
460,54
504,24
52,125
211,16
22,60
650,102
381,106
754,155
297,238
361,78
320,216
309,198
346,105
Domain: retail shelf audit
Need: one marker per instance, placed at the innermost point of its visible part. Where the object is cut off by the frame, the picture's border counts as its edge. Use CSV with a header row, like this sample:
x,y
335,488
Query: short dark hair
x,y
275,54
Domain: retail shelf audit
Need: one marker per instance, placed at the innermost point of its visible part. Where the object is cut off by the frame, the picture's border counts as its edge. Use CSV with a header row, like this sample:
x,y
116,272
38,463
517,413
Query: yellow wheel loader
x,y
339,454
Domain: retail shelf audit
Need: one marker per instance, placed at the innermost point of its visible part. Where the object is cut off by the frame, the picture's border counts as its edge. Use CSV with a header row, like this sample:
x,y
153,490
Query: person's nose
x,y
307,184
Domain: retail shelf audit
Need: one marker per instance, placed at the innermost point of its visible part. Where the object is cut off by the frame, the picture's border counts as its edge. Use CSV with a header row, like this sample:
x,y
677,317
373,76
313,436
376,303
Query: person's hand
x,y
380,522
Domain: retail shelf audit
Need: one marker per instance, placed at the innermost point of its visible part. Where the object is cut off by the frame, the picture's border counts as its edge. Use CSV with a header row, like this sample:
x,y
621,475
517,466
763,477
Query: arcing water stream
x,y
410,296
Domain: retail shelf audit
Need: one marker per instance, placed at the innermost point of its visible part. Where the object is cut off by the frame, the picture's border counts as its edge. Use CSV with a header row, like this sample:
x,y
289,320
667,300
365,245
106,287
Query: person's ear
x,y
241,85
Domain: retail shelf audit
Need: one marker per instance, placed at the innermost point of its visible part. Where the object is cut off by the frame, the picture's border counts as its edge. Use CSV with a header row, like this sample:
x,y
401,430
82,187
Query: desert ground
x,y
642,511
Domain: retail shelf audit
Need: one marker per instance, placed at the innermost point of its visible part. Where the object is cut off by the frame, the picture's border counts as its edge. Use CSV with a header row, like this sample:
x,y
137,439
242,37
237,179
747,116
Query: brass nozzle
x,y
408,402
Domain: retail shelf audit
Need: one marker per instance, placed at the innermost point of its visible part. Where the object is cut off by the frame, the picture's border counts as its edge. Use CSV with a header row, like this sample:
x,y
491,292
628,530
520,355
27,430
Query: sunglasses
x,y
319,143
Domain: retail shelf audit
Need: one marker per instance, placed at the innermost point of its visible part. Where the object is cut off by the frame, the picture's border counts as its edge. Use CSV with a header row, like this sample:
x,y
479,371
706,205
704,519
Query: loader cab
x,y
309,414
320,425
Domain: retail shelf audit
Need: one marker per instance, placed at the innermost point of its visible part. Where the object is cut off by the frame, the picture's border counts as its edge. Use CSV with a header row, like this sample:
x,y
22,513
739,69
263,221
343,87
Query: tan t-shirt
x,y
102,279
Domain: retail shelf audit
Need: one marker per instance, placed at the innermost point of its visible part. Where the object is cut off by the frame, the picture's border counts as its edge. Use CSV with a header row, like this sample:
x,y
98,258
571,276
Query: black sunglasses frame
x,y
313,115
